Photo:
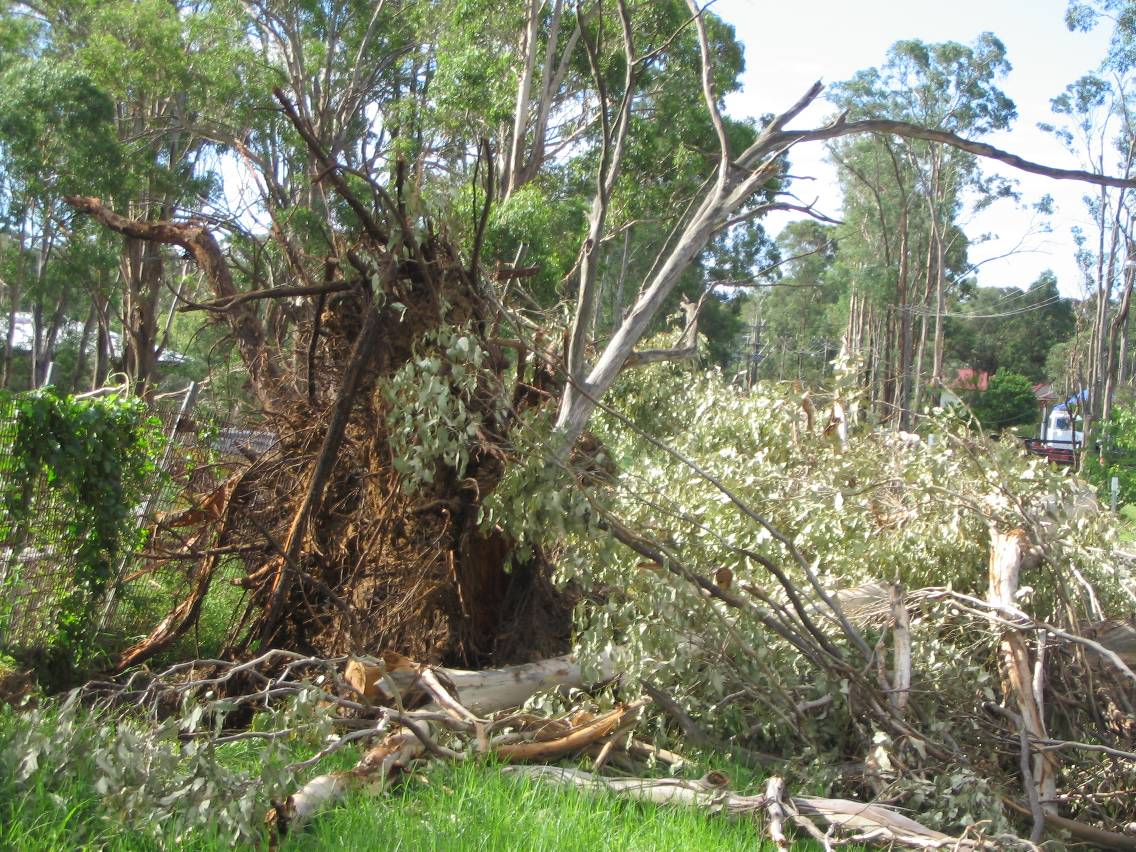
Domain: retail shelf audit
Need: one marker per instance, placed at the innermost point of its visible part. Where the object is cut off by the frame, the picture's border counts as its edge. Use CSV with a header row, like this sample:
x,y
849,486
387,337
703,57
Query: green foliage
x,y
947,85
71,778
1085,15
431,418
534,503
547,224
145,784
1117,456
1007,401
1008,328
57,130
883,509
95,455
798,321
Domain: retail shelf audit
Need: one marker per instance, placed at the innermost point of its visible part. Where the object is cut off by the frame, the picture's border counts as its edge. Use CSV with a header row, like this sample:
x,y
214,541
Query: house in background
x,y
966,381
69,334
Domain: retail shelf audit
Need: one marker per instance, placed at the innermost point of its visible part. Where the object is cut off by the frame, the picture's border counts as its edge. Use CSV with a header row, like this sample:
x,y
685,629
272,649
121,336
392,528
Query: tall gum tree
x,y
917,192
737,177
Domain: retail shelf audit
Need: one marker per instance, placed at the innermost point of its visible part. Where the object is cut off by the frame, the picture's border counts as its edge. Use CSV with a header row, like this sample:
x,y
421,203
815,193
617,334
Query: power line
x,y
921,310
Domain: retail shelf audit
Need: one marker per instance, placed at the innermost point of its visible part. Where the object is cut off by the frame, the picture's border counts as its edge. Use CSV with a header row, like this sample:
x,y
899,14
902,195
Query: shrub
x,y
1008,401
95,455
1117,455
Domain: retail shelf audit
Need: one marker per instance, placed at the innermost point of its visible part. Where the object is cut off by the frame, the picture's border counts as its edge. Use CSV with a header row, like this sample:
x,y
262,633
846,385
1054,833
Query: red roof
x,y
968,379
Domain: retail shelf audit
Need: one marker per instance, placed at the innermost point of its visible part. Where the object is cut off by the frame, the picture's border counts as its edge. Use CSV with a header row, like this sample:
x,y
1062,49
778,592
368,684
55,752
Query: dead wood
x,y
856,821
1098,837
362,353
579,738
214,508
1007,551
227,304
379,766
482,692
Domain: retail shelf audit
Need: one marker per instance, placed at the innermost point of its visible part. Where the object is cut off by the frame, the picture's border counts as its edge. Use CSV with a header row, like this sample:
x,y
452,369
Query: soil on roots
x,y
375,569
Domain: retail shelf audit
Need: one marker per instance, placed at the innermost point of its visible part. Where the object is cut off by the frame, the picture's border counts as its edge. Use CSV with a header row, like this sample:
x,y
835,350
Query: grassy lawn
x,y
469,806
1127,524
474,807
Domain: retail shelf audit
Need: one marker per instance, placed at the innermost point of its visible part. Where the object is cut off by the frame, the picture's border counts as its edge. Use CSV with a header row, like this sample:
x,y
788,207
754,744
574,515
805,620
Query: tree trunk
x,y
524,86
903,309
81,355
102,336
10,336
1116,340
142,272
1007,558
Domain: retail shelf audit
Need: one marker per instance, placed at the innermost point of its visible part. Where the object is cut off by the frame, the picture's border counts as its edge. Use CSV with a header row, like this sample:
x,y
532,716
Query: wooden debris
x,y
378,766
482,692
1007,552
575,740
855,821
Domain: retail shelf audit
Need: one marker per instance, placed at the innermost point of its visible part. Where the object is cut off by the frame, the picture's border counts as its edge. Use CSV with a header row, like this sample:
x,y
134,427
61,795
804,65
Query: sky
x,y
791,45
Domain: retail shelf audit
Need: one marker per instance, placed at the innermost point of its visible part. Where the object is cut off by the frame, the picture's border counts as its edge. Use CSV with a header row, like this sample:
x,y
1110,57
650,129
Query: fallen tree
x,y
428,463
446,729
403,383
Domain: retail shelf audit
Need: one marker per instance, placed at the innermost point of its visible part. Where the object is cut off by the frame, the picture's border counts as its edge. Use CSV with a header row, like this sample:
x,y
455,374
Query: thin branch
x,y
230,302
907,130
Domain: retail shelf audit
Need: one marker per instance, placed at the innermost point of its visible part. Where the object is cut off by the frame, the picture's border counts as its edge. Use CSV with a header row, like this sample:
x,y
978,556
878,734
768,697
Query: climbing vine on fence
x,y
96,455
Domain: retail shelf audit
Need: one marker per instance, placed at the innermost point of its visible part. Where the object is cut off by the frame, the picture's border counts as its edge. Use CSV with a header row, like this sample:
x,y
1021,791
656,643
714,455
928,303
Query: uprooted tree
x,y
406,373
421,404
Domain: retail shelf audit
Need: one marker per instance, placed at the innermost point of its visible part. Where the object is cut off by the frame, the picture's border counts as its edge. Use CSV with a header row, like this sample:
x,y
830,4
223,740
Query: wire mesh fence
x,y
37,555
31,586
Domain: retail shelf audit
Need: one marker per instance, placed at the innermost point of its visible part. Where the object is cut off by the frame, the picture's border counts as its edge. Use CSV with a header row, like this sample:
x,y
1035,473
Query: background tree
x,y
795,318
903,198
992,328
1007,401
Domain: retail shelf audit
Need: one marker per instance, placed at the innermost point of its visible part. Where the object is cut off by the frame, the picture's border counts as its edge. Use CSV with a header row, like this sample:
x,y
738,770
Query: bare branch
x,y
708,94
203,246
907,130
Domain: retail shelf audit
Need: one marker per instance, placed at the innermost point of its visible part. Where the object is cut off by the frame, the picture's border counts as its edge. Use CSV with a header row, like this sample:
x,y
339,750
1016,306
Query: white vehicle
x,y
1061,436
1061,430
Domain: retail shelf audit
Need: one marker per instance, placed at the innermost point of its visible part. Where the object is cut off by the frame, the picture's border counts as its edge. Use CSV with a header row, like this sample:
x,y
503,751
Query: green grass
x,y
1127,532
467,806
475,807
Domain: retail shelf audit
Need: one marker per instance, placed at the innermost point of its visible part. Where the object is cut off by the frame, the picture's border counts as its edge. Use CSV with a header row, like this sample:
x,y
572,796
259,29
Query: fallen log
x,y
378,766
862,820
482,692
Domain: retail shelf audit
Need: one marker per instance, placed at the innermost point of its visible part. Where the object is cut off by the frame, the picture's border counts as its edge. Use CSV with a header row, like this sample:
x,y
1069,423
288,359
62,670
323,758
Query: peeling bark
x,y
483,692
1007,552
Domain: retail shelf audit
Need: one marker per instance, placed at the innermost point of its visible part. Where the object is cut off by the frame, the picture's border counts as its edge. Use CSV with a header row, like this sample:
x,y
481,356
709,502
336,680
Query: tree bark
x,y
243,320
524,87
1007,556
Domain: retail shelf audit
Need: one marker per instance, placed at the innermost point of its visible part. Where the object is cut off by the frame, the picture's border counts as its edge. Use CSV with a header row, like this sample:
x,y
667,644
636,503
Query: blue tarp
x,y
1077,399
